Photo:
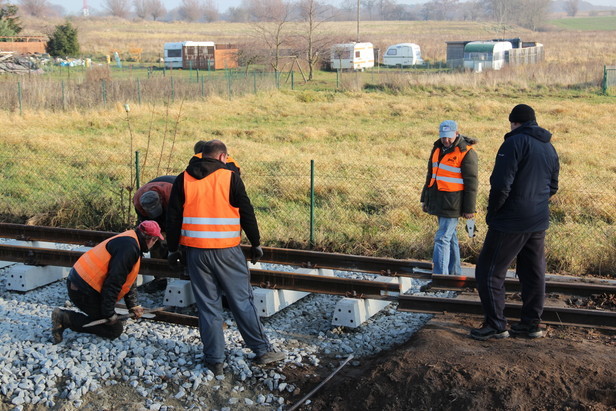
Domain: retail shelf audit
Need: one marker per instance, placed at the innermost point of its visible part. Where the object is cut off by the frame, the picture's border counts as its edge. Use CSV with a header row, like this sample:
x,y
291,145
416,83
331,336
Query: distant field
x,y
368,133
603,23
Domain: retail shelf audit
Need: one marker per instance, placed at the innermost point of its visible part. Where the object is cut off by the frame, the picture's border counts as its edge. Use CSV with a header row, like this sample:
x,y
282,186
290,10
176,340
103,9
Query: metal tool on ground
x,y
124,316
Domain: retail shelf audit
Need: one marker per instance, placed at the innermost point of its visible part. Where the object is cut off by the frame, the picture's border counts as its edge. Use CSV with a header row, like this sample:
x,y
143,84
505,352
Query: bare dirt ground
x,y
442,368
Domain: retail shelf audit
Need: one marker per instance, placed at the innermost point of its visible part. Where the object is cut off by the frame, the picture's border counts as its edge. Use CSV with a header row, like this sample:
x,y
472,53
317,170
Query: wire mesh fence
x,y
352,208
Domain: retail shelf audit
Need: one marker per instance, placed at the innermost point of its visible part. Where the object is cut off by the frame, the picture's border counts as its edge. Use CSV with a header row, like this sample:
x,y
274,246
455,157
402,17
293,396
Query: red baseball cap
x,y
151,228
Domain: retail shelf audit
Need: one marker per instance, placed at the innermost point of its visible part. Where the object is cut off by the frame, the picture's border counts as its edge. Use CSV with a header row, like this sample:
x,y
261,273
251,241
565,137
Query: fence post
x,y
139,91
604,85
228,72
63,97
137,173
202,86
104,91
172,90
292,80
311,203
254,81
19,95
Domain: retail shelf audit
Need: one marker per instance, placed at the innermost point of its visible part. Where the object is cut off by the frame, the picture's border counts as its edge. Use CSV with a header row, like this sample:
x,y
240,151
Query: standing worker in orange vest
x,y
450,192
103,276
208,210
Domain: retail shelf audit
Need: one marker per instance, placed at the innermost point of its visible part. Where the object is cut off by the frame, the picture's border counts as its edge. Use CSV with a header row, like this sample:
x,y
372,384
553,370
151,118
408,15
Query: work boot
x,y
271,356
486,332
527,330
216,368
60,321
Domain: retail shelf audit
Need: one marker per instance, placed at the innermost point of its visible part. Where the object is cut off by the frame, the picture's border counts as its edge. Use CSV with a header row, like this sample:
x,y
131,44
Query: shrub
x,y
63,41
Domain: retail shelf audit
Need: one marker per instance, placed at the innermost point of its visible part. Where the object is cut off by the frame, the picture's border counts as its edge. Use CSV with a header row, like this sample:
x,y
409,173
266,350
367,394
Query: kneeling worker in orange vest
x,y
101,277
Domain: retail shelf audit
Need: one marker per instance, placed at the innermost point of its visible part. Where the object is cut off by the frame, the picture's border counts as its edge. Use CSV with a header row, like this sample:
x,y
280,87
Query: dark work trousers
x,y
213,271
91,305
499,250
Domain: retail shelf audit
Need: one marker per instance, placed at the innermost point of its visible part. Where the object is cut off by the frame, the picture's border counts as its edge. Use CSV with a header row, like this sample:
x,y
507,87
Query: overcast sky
x,y
75,6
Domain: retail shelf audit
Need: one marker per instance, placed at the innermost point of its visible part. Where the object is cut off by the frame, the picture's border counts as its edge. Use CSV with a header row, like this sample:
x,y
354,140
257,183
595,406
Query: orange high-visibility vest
x,y
448,172
229,160
93,265
209,220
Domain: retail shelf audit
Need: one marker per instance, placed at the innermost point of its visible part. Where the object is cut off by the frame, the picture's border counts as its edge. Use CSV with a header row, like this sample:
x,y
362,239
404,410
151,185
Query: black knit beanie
x,y
521,114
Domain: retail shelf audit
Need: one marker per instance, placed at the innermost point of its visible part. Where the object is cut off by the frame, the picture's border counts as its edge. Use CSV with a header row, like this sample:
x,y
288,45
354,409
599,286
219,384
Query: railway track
x,y
320,284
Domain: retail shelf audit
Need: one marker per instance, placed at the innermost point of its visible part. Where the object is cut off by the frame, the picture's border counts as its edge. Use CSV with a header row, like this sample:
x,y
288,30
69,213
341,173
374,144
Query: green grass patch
x,y
600,23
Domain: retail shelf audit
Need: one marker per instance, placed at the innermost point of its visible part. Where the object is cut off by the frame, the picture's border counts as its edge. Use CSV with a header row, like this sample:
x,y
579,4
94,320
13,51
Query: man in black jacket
x,y
208,209
525,176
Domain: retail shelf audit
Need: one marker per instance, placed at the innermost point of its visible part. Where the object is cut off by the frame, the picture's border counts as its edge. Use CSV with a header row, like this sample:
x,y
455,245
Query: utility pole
x,y
357,21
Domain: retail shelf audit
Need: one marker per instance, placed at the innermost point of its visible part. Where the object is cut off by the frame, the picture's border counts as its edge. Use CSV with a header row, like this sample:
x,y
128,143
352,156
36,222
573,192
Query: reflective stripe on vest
x,y
448,173
209,220
93,265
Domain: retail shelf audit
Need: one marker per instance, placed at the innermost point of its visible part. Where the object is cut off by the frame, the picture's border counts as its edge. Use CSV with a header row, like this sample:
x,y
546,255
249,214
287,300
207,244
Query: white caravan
x,y
402,55
352,56
479,55
173,52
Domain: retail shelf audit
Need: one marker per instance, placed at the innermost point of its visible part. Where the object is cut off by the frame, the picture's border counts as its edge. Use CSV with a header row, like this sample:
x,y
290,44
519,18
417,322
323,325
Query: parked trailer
x,y
480,55
352,56
205,55
402,55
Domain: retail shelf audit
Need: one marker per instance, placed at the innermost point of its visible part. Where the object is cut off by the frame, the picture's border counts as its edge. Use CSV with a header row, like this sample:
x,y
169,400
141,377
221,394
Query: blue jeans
x,y
446,256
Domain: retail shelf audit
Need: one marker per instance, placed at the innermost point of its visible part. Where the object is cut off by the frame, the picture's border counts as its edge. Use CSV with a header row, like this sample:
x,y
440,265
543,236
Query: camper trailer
x,y
203,55
352,56
480,55
402,55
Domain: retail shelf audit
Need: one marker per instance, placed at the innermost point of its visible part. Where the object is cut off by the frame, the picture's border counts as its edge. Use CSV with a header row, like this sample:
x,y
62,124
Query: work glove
x,y
256,252
175,259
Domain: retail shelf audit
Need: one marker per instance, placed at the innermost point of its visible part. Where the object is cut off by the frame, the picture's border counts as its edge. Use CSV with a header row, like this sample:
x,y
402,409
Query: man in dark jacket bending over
x,y
101,277
525,176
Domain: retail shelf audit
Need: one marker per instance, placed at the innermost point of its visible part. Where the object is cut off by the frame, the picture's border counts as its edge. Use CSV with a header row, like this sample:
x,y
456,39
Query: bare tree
x,y
156,9
270,18
190,10
572,7
210,11
500,10
141,8
36,8
313,14
531,14
439,9
118,8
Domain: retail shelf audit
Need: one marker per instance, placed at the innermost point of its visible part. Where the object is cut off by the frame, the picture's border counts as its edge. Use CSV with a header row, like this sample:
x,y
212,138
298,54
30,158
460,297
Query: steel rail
x,y
261,278
457,283
327,285
303,258
551,315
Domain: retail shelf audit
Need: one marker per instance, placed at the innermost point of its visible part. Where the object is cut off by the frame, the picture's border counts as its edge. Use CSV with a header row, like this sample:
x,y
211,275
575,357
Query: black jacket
x,y
525,176
452,204
125,253
200,168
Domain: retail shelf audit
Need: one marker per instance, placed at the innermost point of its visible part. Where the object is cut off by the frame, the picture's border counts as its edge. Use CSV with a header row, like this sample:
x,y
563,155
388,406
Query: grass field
x,y
369,141
600,23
